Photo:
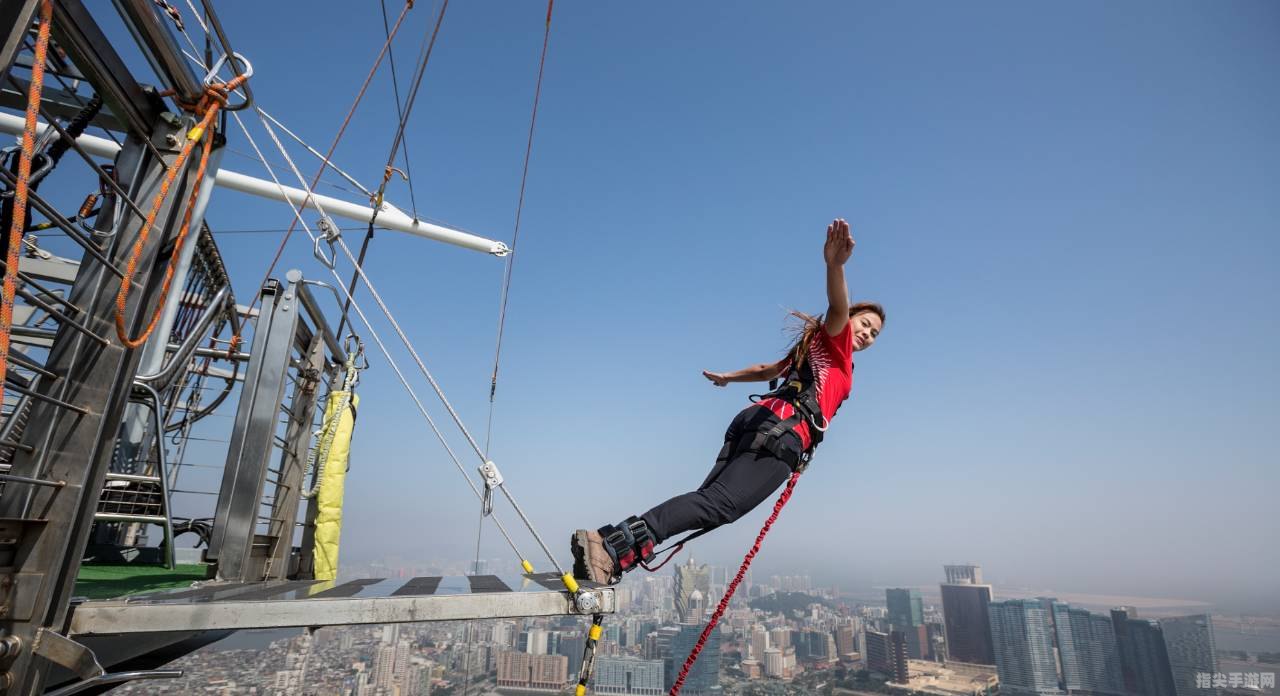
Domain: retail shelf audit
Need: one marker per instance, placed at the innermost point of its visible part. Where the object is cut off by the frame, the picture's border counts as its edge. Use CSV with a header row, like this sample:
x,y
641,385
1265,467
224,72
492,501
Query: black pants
x,y
741,479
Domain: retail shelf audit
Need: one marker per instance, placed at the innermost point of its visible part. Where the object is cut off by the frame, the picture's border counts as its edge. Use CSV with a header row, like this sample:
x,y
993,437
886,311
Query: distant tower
x,y
906,614
963,574
1023,648
1190,644
905,606
887,654
964,611
704,676
697,608
1144,659
898,648
1087,649
628,675
689,578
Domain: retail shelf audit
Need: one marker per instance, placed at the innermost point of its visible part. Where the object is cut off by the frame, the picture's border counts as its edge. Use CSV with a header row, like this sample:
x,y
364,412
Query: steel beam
x,y
15,19
160,48
54,101
293,458
79,35
127,617
249,453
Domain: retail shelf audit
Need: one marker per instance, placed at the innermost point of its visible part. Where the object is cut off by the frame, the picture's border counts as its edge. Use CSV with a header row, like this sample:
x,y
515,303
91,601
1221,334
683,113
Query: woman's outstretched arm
x,y
756,373
836,252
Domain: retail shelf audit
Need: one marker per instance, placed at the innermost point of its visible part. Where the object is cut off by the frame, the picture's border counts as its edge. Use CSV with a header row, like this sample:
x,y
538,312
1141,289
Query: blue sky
x,y
1069,211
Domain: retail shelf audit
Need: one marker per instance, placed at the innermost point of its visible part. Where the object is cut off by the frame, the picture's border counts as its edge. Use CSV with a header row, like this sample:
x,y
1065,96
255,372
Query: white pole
x,y
389,216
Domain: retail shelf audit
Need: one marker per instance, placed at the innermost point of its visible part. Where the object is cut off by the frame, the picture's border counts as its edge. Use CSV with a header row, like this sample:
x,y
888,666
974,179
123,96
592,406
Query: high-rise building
x,y
416,681
906,608
657,645
846,640
384,665
918,645
628,675
704,677
696,609
780,638
938,642
964,610
536,641
390,634
898,655
1087,649
519,670
963,574
818,646
878,651
504,633
773,663
906,614
690,578
1190,644
1023,648
1144,660
403,647
572,646
759,643
887,654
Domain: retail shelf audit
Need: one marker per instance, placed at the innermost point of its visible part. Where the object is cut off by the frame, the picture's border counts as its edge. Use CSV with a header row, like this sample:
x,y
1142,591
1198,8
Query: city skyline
x,y
1041,646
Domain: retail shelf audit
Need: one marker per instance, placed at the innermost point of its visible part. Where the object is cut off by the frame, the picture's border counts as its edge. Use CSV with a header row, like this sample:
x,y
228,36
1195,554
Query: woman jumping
x,y
766,442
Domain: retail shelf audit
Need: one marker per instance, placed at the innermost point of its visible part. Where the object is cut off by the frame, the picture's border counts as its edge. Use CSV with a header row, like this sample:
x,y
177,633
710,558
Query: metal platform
x,y
235,606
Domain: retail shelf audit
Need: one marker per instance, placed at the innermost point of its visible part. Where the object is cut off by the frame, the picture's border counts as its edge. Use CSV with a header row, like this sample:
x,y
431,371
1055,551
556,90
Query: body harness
x,y
801,391
631,542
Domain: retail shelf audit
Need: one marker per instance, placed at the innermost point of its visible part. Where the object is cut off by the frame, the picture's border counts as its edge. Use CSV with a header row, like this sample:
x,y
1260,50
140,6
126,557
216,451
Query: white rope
x,y
386,311
196,13
263,117
376,338
327,162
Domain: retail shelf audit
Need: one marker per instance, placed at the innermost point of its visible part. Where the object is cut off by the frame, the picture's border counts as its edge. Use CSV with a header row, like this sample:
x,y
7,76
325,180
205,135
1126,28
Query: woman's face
x,y
866,326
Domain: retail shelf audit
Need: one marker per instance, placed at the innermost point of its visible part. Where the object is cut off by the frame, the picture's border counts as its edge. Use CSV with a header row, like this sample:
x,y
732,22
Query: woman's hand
x,y
716,378
839,246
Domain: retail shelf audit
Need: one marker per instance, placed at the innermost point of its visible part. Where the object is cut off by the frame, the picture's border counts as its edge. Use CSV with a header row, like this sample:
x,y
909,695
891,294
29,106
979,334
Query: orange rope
x,y
215,97
20,189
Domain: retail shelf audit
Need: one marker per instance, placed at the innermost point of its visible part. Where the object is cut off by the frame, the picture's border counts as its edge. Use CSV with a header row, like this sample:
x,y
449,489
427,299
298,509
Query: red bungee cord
x,y
728,594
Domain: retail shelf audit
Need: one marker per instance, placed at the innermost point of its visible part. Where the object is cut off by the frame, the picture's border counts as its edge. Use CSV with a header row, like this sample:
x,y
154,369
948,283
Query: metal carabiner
x,y
211,77
41,165
353,344
329,232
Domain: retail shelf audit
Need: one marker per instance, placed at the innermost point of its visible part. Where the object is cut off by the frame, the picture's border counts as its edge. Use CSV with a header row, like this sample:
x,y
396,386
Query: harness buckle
x,y
617,541
643,541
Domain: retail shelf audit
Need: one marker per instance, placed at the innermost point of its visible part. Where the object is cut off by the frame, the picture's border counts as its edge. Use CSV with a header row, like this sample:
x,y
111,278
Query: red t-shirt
x,y
831,359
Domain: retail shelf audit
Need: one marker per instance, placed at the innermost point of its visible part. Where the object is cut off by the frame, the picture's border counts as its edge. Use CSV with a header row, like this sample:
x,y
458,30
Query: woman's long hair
x,y
808,325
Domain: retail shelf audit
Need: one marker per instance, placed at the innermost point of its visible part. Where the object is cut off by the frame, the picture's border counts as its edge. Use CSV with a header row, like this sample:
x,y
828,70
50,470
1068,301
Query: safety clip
x,y
330,233
240,66
492,480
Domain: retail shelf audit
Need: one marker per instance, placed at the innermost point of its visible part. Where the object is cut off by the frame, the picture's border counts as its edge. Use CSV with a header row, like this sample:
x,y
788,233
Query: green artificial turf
x,y
107,581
